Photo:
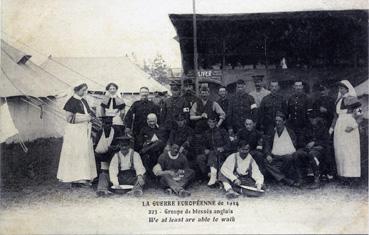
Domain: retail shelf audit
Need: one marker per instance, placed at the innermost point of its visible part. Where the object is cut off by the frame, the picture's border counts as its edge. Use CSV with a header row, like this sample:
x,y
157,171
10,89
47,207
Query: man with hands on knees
x,y
240,169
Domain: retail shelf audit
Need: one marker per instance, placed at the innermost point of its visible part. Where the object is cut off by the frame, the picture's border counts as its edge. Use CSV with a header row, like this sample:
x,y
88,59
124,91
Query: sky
x,y
94,28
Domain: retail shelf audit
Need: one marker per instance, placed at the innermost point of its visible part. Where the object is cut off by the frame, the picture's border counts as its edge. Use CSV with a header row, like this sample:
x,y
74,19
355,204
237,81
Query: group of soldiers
x,y
229,143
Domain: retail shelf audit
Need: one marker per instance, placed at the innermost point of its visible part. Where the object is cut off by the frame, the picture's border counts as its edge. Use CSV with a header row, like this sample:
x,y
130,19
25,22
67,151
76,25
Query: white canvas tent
x,y
24,87
100,71
97,72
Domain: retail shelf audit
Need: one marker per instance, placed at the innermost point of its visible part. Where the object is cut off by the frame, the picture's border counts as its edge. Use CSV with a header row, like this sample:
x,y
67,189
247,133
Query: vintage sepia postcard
x,y
184,117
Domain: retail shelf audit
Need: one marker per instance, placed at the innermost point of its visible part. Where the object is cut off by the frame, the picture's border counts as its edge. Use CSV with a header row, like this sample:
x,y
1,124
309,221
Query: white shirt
x,y
115,113
283,145
244,167
104,142
125,164
259,95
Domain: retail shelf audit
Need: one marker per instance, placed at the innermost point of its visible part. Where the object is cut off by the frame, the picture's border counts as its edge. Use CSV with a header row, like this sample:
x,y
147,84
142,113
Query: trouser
x,y
167,181
328,163
246,180
213,159
124,177
283,166
149,160
312,158
258,156
103,160
300,136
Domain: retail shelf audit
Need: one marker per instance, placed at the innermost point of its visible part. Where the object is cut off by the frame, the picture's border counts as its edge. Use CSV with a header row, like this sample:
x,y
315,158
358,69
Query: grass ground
x,y
34,202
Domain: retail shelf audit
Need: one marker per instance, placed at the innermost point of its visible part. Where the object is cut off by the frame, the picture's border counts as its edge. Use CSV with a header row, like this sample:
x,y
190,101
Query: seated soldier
x,y
150,143
180,134
126,167
280,152
317,139
196,151
255,140
104,151
217,147
174,172
240,169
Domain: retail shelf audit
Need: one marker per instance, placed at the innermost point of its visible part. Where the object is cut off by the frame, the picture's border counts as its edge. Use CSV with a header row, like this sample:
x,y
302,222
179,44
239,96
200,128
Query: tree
x,y
158,69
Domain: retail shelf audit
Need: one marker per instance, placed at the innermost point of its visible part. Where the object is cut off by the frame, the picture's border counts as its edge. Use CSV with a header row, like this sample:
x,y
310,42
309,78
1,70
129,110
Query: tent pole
x,y
195,55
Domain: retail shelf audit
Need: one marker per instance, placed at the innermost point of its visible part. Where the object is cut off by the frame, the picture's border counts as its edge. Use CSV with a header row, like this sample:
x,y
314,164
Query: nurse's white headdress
x,y
351,89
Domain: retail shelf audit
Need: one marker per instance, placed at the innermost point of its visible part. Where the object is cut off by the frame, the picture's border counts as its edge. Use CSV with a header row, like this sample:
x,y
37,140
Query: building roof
x,y
20,76
307,37
97,72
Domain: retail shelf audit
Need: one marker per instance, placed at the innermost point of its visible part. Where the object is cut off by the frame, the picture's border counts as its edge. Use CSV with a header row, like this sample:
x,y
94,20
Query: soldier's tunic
x,y
150,145
255,139
191,99
297,109
241,106
173,107
214,138
269,107
140,109
328,103
180,136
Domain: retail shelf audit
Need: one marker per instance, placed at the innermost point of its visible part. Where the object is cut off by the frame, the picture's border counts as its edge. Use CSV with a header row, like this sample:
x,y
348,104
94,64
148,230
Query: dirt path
x,y
55,209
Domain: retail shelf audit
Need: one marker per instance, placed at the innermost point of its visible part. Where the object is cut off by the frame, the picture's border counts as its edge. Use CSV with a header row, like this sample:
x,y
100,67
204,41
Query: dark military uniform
x,y
241,106
172,108
255,139
214,138
320,155
328,103
269,106
180,136
140,109
297,109
191,99
148,149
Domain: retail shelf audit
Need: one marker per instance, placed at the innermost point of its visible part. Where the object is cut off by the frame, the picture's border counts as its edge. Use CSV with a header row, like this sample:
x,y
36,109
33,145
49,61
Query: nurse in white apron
x,y
77,161
346,136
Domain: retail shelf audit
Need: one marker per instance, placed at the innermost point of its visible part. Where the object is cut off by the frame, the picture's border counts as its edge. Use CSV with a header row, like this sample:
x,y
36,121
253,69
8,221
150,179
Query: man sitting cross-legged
x,y
126,167
240,169
174,172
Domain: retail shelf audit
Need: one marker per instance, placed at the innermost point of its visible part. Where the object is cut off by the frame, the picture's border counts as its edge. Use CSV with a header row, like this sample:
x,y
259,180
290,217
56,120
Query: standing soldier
x,y
137,114
297,109
325,104
189,96
173,107
260,92
241,105
223,101
189,93
269,107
